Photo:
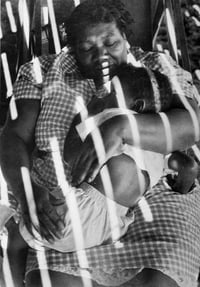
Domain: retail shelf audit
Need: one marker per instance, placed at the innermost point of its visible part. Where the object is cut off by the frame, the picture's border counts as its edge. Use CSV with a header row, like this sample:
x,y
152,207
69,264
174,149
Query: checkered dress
x,y
172,240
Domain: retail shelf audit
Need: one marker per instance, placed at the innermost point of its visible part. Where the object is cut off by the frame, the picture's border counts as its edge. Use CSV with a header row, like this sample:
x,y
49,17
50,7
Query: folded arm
x,y
16,146
152,136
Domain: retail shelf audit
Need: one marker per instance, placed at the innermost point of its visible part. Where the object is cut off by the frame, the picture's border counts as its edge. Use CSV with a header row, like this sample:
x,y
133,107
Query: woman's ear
x,y
127,43
128,46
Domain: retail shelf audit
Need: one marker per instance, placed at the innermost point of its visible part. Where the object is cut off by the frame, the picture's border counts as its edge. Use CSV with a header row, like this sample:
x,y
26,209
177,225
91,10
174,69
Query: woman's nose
x,y
101,54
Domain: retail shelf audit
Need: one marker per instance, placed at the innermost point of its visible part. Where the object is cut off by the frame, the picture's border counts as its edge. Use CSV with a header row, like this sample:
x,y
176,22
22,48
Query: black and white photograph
x,y
100,143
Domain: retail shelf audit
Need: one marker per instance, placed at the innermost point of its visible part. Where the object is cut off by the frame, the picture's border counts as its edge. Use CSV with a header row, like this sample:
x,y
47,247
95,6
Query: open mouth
x,y
105,70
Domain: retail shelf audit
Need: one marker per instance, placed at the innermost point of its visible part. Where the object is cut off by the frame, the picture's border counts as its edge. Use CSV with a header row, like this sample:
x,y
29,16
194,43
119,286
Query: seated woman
x,y
170,243
139,173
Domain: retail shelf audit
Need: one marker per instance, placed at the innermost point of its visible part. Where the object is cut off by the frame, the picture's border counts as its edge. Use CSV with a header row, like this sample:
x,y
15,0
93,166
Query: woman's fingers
x,y
94,170
83,162
47,222
81,169
50,220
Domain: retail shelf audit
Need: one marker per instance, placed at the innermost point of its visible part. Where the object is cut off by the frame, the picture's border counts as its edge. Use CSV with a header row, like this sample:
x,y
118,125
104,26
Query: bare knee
x,y
128,181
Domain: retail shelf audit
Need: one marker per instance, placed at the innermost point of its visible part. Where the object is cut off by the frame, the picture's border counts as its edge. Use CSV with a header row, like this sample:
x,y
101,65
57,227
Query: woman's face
x,y
100,45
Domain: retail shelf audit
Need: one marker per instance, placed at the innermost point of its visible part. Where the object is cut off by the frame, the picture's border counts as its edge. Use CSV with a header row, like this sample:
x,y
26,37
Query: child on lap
x,y
91,199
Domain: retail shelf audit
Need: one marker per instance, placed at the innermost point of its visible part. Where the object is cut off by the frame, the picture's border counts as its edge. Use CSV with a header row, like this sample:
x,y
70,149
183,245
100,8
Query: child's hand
x,y
186,169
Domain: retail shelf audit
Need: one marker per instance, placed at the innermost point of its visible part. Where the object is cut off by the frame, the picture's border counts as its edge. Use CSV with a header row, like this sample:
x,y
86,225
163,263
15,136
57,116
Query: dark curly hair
x,y
137,83
92,12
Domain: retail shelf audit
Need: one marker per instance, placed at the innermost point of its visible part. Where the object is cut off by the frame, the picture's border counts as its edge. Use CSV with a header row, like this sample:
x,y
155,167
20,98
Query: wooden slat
x,y
157,9
180,34
169,16
37,29
24,50
140,10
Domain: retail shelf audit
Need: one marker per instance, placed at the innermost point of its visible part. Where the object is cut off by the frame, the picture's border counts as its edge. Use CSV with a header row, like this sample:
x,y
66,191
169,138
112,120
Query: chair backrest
x,y
142,26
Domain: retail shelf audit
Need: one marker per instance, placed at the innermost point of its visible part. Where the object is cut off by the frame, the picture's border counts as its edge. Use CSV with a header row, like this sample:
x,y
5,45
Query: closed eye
x,y
111,44
86,49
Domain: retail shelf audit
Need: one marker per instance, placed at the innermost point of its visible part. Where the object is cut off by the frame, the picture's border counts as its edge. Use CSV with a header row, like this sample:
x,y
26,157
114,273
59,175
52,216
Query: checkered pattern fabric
x,y
62,85
172,239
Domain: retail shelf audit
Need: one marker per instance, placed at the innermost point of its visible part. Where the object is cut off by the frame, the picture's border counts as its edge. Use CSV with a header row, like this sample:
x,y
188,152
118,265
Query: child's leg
x,y
128,181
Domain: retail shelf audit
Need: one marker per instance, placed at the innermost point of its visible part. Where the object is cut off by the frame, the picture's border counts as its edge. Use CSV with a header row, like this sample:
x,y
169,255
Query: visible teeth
x,y
105,64
107,85
105,71
106,78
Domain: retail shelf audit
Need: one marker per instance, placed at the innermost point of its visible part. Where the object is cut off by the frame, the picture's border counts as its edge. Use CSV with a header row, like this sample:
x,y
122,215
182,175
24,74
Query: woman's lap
x,y
163,243
67,260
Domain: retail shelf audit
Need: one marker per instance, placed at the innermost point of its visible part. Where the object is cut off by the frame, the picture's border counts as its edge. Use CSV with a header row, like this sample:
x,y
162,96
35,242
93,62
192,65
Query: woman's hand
x,y
48,219
98,147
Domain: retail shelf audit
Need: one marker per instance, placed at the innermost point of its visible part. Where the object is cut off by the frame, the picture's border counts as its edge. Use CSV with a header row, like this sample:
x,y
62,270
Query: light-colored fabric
x,y
94,218
59,93
170,242
107,277
172,239
151,162
6,212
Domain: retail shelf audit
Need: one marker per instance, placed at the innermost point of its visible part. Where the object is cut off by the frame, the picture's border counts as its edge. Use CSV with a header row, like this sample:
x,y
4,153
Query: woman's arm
x,y
153,136
16,146
184,129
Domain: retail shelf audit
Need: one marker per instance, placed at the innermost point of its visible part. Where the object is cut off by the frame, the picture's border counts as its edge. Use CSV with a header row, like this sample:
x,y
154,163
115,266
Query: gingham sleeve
x,y
180,79
28,84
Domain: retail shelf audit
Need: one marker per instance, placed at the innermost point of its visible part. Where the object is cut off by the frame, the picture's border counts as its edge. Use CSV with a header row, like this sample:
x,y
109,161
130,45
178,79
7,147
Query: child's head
x,y
144,90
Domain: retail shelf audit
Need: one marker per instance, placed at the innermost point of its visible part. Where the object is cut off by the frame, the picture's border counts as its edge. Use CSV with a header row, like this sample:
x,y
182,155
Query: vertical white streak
x,y
133,124
107,85
6,265
6,74
29,196
81,108
159,47
168,133
172,33
54,27
146,211
196,21
37,70
197,73
3,189
1,34
11,16
24,20
105,176
13,109
136,139
119,92
76,2
45,16
35,221
70,197
196,152
197,8
4,233
197,95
